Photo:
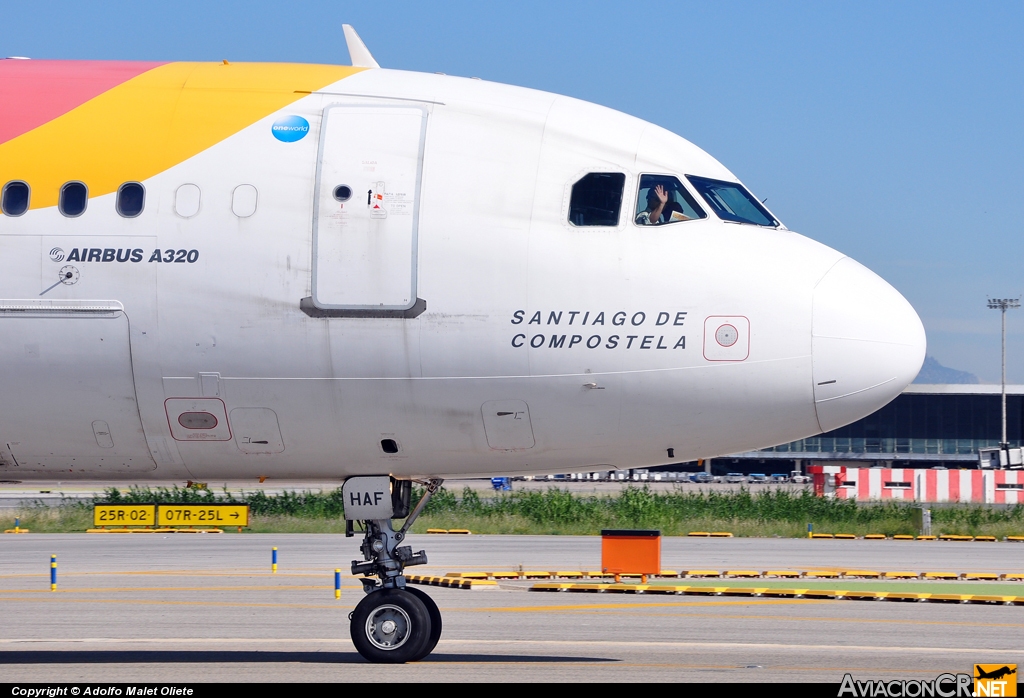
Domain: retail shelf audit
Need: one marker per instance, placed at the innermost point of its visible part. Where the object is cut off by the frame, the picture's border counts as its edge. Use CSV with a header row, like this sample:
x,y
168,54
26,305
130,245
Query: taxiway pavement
x,y
205,607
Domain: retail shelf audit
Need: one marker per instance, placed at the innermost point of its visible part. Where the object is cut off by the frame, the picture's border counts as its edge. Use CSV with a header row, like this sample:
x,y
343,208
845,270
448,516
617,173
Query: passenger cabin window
x,y
663,199
732,202
187,198
73,199
243,200
597,199
14,200
131,199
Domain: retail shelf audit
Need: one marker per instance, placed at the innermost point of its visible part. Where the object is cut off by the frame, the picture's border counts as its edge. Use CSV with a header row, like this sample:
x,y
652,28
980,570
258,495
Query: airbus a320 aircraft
x,y
378,277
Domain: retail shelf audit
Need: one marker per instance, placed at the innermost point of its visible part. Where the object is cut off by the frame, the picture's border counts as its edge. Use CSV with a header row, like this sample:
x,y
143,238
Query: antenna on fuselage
x,y
357,51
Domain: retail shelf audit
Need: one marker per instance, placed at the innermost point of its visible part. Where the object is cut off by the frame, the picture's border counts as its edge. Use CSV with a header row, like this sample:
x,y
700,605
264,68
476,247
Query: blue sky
x,y
890,131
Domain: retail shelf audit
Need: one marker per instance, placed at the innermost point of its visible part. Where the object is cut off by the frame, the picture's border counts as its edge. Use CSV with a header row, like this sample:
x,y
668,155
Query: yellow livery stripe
x,y
153,122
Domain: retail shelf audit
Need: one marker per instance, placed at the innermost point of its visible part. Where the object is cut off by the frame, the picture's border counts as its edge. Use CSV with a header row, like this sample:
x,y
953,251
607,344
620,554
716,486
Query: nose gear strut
x,y
383,555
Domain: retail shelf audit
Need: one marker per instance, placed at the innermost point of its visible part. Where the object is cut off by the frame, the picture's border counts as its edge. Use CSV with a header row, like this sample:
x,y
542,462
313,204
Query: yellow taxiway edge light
x,y
822,593
994,599
745,591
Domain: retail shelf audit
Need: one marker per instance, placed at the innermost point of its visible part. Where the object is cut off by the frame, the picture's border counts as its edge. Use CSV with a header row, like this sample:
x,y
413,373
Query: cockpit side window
x,y
732,202
597,199
663,199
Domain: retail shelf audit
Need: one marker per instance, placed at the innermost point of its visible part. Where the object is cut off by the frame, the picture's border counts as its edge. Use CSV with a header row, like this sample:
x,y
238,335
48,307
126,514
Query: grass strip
x,y
766,513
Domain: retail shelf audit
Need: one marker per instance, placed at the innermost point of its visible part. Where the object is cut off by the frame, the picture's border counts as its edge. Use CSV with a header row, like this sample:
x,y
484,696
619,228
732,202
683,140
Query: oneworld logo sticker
x,y
290,128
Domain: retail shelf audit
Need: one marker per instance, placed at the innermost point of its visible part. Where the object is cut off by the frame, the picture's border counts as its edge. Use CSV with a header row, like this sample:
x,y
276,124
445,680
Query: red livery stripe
x,y
33,92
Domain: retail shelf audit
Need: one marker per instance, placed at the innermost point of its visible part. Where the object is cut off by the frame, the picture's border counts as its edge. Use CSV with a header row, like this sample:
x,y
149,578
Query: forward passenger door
x,y
367,205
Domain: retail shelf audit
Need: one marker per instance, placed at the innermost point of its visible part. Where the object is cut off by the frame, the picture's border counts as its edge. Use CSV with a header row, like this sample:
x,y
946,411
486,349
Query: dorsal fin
x,y
357,50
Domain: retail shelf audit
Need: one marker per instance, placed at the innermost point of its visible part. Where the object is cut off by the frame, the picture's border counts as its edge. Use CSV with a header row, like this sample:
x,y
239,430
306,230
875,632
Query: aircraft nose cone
x,y
868,344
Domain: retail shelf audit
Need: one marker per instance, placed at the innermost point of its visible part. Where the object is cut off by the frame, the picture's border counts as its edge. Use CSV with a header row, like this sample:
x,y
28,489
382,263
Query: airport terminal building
x,y
926,426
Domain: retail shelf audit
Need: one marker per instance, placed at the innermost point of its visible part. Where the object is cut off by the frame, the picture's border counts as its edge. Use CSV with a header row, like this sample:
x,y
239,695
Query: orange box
x,y
631,552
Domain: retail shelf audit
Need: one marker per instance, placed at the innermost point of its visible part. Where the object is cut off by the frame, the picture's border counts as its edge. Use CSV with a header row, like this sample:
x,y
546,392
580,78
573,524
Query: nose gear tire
x,y
435,620
391,626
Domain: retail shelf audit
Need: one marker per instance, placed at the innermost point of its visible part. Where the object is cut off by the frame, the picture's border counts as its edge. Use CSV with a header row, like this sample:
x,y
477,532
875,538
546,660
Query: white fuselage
x,y
111,376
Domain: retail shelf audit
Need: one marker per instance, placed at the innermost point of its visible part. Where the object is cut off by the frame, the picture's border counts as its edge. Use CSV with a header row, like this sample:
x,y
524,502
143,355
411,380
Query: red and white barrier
x,y
1004,490
980,486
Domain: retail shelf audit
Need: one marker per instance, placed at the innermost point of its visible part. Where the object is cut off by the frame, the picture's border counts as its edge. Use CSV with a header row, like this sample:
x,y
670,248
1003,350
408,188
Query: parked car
x,y
702,477
735,477
798,477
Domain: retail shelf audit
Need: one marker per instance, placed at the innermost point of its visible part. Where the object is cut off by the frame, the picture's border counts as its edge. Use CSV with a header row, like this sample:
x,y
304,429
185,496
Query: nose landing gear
x,y
393,623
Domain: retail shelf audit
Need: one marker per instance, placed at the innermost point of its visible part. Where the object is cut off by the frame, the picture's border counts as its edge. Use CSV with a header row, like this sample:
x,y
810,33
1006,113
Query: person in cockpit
x,y
662,206
657,199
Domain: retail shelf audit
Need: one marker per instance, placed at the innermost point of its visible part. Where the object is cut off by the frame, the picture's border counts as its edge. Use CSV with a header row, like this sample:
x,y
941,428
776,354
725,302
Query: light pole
x,y
1004,304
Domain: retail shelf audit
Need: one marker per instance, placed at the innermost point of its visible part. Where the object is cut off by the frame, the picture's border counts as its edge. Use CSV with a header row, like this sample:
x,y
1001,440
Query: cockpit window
x,y
597,199
663,199
732,202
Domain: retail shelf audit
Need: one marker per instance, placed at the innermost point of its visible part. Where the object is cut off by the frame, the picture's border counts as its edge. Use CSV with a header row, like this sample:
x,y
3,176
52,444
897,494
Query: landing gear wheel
x,y
435,620
390,626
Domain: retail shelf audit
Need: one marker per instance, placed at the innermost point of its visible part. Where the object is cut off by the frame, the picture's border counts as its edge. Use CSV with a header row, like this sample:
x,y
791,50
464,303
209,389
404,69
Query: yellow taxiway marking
x,y
736,645
587,609
641,604
46,596
188,573
148,602
283,587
